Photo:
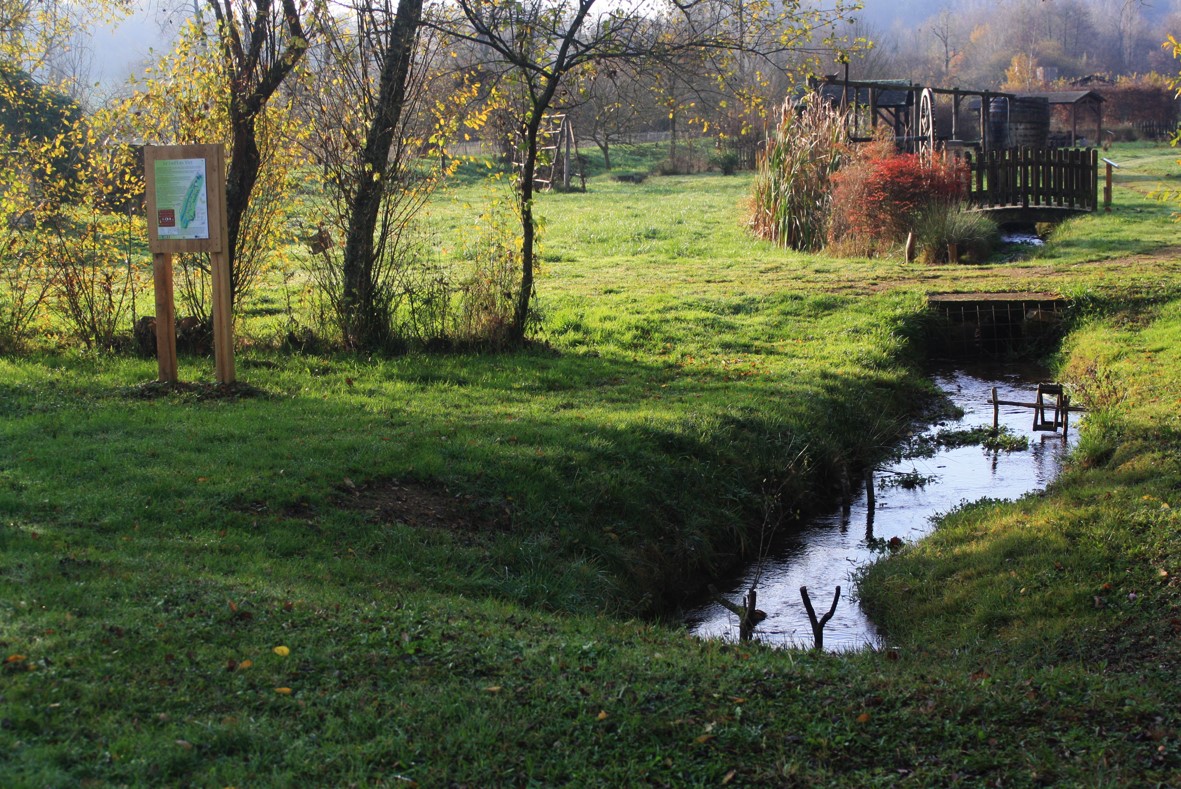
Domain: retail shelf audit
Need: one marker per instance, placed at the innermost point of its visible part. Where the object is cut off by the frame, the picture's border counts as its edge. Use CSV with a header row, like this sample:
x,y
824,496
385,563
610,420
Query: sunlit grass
x,y
154,550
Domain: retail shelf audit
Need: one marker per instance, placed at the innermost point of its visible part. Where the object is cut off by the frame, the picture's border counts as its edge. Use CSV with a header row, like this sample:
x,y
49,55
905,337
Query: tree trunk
x,y
364,325
245,161
672,139
528,229
605,147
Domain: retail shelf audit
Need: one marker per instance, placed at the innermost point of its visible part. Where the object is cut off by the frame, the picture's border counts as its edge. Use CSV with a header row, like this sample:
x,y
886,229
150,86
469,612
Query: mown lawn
x,y
449,570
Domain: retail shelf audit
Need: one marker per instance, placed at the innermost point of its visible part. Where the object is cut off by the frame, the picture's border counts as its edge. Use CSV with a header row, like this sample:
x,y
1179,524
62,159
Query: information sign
x,y
182,199
186,201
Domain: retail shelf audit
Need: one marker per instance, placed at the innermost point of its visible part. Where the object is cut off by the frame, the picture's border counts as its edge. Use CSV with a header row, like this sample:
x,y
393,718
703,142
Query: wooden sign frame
x,y
186,207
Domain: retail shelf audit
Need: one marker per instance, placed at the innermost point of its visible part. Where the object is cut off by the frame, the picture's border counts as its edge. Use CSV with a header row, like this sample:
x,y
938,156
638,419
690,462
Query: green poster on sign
x,y
182,203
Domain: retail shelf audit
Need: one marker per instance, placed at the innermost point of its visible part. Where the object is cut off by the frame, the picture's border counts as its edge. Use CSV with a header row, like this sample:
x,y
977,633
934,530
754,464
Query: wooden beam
x,y
165,317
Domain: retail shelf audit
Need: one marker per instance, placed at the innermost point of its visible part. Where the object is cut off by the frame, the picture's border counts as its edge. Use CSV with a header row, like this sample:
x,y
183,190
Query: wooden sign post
x,y
186,197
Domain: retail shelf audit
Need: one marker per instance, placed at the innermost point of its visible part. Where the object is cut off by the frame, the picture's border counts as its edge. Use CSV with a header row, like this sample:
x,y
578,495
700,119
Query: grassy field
x,y
451,570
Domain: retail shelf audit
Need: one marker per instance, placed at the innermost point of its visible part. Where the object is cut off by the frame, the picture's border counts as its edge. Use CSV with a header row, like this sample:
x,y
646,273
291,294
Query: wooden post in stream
x,y
1060,414
818,624
748,615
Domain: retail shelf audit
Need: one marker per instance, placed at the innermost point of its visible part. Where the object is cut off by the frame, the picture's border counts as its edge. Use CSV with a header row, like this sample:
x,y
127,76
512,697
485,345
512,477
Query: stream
x,y
829,549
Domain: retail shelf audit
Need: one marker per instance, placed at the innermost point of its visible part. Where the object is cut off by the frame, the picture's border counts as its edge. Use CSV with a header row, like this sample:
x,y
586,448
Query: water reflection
x,y
826,552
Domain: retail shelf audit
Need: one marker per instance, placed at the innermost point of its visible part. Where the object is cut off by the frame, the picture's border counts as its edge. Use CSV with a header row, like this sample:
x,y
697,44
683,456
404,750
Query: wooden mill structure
x,y
1014,172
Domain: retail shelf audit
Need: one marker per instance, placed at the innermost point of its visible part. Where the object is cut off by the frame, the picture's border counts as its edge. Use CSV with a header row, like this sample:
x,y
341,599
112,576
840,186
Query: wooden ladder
x,y
558,160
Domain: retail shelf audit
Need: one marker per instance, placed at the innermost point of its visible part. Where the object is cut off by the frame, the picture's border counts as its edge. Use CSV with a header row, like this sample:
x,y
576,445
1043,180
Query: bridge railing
x,y
1065,178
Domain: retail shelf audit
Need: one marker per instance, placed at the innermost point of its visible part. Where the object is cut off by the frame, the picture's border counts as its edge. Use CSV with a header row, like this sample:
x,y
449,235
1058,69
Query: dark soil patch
x,y
154,390
423,505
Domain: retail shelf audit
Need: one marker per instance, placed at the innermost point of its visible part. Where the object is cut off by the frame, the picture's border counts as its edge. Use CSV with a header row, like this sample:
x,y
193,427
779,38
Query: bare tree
x,y
544,42
613,101
261,43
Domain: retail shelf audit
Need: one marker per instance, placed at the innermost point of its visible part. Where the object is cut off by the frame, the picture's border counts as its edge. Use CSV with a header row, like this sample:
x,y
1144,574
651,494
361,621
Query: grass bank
x,y
426,568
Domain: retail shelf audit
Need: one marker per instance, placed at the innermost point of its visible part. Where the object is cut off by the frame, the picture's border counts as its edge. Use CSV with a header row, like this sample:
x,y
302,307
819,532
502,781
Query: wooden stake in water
x,y
818,624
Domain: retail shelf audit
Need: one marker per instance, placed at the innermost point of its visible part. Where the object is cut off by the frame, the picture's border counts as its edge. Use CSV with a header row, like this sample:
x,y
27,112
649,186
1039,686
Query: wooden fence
x,y
1034,178
1156,130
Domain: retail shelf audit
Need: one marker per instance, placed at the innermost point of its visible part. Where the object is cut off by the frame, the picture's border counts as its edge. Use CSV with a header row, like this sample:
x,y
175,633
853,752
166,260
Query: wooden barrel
x,y
1021,122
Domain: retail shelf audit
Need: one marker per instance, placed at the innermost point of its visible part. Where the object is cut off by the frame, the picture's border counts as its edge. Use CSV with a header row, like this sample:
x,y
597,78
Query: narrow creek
x,y
829,549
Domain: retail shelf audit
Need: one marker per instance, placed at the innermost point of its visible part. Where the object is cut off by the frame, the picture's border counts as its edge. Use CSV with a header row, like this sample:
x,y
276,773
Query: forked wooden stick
x,y
818,625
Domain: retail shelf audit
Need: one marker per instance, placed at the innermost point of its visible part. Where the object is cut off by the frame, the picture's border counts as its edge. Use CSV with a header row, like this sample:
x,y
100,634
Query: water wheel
x,y
925,138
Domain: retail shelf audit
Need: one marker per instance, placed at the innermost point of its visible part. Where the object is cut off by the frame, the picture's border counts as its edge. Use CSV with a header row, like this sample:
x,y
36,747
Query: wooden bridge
x,y
1033,184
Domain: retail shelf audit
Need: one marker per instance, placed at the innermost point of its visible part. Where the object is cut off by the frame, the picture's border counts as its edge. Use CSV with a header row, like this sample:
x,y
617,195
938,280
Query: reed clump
x,y
792,192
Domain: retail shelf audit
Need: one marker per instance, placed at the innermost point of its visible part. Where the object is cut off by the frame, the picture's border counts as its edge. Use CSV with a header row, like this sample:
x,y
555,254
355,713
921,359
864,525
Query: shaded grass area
x,y
633,473
156,548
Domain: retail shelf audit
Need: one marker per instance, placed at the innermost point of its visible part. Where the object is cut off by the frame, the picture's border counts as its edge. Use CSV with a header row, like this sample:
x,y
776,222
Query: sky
x,y
119,50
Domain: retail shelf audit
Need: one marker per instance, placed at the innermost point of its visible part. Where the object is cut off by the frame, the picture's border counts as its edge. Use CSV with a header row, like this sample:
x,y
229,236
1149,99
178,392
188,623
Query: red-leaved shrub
x,y
876,200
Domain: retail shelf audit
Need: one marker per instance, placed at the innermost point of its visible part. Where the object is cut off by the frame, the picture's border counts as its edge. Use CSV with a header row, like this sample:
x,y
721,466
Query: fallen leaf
x,y
863,717
493,689
245,664
728,777
602,716
283,691
188,746
14,658
704,738
281,651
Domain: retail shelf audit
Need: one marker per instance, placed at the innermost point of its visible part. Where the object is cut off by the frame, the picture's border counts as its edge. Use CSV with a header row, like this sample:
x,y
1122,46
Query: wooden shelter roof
x,y
1066,96
890,92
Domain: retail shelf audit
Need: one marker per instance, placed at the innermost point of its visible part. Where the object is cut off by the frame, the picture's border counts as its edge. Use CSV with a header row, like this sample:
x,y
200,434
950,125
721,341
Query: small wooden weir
x,y
994,324
1048,416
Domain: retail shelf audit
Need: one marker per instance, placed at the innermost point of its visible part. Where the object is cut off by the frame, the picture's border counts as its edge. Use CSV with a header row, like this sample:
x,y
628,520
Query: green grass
x,y
151,545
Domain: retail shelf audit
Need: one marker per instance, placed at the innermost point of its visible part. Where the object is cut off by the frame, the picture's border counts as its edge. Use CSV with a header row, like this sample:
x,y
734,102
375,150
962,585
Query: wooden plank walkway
x,y
1043,184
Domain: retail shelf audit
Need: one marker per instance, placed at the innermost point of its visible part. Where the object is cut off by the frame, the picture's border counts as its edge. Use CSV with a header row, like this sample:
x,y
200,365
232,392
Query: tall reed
x,y
791,200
